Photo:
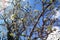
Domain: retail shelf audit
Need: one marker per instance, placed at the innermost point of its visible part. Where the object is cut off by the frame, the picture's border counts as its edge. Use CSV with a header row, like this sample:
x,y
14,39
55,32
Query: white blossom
x,y
57,14
55,28
13,16
55,35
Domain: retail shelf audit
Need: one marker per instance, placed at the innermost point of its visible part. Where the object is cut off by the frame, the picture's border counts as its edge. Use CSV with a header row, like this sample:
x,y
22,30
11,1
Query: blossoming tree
x,y
30,21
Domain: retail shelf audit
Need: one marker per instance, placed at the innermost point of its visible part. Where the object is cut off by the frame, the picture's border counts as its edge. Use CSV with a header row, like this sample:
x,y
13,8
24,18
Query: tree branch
x,y
38,19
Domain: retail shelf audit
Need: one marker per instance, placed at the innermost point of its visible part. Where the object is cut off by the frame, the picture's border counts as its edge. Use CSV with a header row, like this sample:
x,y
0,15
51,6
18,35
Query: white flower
x,y
13,16
55,28
55,35
22,18
57,14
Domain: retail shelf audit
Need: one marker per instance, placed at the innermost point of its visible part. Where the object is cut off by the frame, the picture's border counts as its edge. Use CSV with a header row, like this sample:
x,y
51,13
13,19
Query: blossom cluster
x,y
55,35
